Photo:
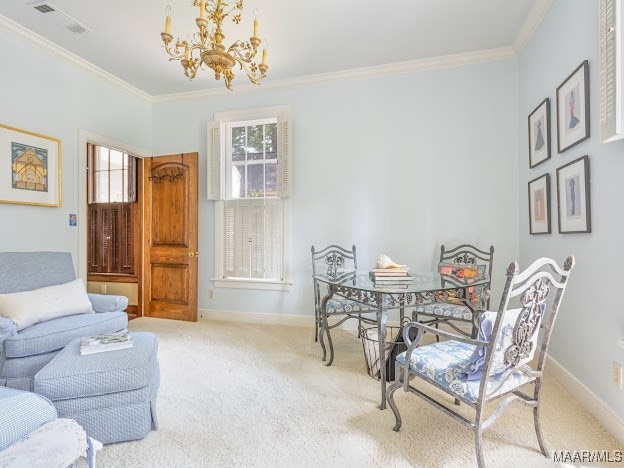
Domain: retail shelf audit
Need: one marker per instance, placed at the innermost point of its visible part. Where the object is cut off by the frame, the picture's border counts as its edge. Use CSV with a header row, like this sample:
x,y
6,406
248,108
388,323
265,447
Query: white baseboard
x,y
588,399
284,319
254,317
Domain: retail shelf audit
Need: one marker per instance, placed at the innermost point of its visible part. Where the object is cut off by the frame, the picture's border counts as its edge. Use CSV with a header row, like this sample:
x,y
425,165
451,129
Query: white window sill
x,y
244,283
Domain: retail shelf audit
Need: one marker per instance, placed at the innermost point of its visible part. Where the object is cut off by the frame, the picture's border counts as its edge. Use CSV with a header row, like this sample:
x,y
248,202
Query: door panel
x,y
171,237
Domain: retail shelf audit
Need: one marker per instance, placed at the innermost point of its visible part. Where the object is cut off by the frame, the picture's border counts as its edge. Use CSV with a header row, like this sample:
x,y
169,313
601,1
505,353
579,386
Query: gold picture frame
x,y
30,168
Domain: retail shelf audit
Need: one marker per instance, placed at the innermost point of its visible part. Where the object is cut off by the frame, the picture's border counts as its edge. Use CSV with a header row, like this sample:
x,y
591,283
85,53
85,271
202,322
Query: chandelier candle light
x,y
206,45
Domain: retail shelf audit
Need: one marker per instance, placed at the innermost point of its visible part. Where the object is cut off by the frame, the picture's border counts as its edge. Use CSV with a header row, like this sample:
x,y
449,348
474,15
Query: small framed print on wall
x,y
539,205
573,199
30,168
573,108
539,134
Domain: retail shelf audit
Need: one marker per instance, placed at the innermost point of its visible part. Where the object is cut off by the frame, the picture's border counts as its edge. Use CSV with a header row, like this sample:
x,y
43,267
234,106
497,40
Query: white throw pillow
x,y
39,305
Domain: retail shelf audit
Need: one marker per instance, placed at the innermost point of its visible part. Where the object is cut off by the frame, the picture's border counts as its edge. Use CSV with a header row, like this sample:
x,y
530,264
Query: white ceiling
x,y
304,38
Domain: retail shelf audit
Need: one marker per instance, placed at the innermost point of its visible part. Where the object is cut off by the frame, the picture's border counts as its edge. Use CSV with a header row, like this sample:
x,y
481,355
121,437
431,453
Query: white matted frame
x,y
539,205
573,108
573,199
539,134
30,168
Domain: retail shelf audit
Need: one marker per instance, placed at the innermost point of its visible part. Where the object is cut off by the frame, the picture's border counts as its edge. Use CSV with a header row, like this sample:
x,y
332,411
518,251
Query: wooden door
x,y
170,237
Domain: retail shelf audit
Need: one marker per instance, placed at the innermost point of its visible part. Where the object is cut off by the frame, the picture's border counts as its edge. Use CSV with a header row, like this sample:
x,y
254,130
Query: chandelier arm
x,y
243,50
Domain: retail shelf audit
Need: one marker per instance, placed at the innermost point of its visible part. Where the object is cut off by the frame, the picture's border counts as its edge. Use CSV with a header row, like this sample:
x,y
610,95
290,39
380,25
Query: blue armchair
x,y
23,353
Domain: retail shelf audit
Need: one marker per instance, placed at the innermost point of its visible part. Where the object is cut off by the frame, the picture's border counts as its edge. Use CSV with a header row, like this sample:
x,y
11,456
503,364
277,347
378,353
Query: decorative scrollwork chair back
x,y
458,266
497,363
334,262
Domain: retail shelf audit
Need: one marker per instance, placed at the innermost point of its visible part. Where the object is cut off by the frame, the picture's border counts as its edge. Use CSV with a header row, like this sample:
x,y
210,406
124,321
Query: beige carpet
x,y
254,395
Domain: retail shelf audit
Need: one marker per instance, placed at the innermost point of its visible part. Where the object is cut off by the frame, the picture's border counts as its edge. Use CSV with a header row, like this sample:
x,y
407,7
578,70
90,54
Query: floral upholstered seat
x,y
444,309
345,306
445,364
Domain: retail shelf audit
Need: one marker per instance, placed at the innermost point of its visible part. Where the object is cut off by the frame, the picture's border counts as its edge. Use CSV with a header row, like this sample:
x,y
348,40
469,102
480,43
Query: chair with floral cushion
x,y
459,266
335,262
498,363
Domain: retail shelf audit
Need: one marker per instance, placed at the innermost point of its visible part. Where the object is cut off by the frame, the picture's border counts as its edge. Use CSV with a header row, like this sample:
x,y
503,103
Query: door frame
x,y
85,137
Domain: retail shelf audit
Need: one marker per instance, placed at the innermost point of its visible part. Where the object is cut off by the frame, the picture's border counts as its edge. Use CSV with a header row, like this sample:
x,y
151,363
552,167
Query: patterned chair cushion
x,y
345,306
444,363
443,309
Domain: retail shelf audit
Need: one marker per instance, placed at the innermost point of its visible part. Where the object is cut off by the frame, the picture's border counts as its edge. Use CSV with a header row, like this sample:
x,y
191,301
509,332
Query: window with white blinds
x,y
253,239
611,70
249,167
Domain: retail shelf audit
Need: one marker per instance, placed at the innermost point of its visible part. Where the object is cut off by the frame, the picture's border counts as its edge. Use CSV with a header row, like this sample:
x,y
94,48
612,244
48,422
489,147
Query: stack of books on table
x,y
101,343
391,278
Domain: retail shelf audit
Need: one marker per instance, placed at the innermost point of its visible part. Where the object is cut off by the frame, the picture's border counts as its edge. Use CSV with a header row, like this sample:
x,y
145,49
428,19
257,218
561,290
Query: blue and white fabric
x,y
54,334
108,303
443,309
505,340
346,306
111,394
21,413
444,363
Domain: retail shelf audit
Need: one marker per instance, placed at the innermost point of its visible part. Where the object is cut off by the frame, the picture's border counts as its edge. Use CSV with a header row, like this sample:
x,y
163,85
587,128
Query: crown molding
x,y
41,42
531,23
432,63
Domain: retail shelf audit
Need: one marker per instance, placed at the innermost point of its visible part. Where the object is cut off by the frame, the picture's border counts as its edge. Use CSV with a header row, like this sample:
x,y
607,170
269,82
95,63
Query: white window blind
x,y
253,239
611,71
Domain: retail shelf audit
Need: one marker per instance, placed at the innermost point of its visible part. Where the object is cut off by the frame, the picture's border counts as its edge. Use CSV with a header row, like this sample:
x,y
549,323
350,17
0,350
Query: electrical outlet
x,y
621,343
617,374
103,288
211,294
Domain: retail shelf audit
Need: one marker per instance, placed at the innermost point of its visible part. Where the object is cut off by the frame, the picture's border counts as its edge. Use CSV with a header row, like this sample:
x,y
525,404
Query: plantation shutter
x,y
284,156
111,224
610,70
214,158
273,221
253,238
230,235
256,237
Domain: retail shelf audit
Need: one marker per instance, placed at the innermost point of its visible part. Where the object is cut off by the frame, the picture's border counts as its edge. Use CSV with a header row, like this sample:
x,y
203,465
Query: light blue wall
x,y
592,318
395,165
43,93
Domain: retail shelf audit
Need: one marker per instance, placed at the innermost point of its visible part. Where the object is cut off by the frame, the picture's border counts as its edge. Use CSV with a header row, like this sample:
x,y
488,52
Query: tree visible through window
x,y
254,159
112,184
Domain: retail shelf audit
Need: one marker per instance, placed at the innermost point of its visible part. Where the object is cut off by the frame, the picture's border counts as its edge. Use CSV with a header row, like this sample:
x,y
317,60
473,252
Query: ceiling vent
x,y
44,8
60,17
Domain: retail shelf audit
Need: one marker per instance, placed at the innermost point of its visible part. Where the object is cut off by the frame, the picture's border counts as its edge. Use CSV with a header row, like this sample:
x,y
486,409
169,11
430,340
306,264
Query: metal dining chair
x,y
335,262
498,363
459,265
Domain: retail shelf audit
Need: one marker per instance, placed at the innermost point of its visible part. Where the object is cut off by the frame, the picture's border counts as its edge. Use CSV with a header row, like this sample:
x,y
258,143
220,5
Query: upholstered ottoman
x,y
111,394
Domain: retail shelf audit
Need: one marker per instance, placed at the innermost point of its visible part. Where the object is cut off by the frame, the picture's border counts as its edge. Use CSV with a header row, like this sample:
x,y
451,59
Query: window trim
x,y
219,279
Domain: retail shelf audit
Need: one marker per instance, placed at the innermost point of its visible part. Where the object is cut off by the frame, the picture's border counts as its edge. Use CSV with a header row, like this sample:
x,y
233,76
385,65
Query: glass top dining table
x,y
424,288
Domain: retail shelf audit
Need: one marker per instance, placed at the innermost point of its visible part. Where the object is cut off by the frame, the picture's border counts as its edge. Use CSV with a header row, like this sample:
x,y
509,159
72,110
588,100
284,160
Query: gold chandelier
x,y
206,45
